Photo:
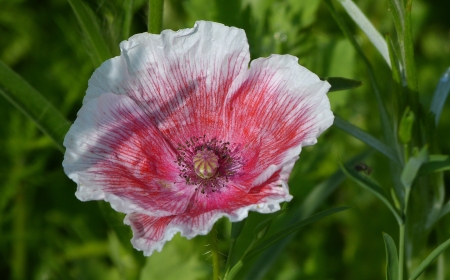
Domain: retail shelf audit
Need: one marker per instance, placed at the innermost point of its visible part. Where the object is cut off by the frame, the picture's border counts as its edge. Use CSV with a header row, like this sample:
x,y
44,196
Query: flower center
x,y
206,164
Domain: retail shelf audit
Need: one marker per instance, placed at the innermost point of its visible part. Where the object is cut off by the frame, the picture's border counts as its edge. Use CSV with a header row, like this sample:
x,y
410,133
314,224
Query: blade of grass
x,y
155,16
440,95
391,258
361,20
28,100
338,83
366,138
433,255
91,30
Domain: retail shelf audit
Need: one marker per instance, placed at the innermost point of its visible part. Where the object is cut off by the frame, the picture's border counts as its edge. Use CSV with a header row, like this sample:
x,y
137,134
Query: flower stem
x,y
401,252
215,254
155,16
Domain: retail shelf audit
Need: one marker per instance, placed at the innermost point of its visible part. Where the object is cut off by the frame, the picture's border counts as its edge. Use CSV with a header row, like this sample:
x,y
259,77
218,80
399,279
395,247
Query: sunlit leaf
x,y
433,255
91,29
366,138
391,258
28,100
338,83
361,20
440,95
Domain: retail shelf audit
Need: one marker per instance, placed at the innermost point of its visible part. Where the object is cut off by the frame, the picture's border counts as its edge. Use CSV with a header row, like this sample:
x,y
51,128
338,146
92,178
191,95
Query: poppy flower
x,y
179,131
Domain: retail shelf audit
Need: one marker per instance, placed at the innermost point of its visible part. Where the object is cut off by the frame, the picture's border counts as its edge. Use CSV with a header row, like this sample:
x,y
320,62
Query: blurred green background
x,y
46,233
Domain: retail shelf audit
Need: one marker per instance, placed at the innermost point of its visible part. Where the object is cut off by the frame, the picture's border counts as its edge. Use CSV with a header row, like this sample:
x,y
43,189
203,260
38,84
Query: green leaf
x,y
268,241
440,95
444,210
309,205
155,16
91,30
391,257
408,44
366,138
441,248
338,83
28,100
396,8
361,20
128,16
236,229
412,167
435,163
385,120
406,126
373,186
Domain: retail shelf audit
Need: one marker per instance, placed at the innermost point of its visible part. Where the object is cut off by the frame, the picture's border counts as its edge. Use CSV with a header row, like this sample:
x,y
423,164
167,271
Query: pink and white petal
x,y
279,107
180,79
151,233
115,153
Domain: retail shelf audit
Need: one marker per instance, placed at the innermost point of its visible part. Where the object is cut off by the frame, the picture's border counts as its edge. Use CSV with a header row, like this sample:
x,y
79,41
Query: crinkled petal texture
x,y
162,91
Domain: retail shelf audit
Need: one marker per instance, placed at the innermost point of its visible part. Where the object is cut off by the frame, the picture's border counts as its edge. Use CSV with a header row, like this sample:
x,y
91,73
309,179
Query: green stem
x,y
155,16
215,254
128,8
401,252
19,247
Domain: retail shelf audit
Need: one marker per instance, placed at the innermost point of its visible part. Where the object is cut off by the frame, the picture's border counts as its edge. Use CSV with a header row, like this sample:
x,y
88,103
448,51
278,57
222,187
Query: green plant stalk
x,y
401,251
385,120
19,257
128,9
215,253
155,16
34,105
409,57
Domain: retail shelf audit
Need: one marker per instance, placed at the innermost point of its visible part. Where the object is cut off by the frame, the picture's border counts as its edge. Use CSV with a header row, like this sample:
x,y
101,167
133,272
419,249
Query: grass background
x,y
46,233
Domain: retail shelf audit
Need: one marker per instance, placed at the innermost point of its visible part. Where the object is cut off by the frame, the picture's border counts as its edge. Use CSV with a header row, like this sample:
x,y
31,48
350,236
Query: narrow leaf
x,y
366,138
391,257
441,248
155,16
373,186
91,30
386,123
444,210
361,20
440,95
412,167
436,163
338,83
128,16
28,100
309,205
267,242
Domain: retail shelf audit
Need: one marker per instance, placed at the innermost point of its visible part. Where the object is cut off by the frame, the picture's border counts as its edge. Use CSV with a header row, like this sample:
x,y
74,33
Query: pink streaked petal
x,y
151,233
180,79
286,108
115,153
